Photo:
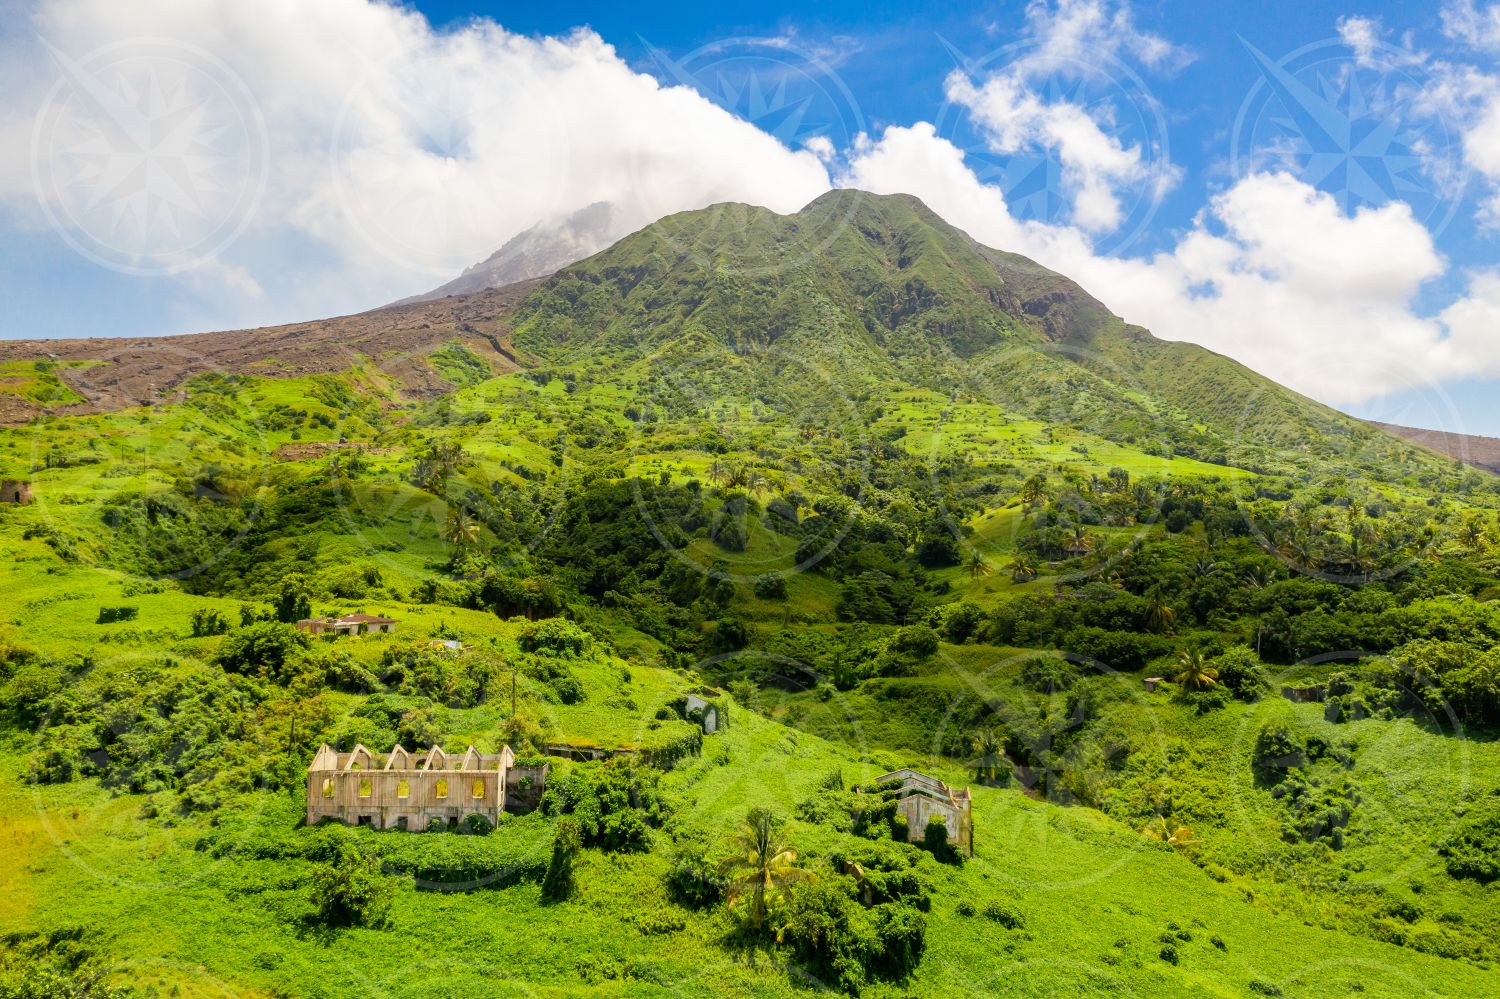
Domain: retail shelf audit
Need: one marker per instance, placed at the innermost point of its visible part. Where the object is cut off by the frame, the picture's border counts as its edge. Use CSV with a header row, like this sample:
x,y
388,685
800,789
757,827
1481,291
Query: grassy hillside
x,y
904,501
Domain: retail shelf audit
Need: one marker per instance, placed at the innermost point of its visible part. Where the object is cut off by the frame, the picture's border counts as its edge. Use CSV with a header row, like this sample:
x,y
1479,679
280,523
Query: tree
x,y
1160,615
1471,533
1034,491
1194,672
978,566
293,599
1177,837
764,863
1023,569
988,752
567,842
463,530
268,649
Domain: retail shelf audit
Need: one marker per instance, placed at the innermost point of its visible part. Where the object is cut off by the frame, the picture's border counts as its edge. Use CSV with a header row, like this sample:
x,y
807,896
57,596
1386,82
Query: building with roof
x,y
349,624
409,790
921,798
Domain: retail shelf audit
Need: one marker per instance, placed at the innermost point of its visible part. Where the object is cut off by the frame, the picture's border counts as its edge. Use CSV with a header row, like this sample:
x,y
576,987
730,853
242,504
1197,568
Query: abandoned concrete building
x,y
349,624
408,790
706,705
15,491
921,797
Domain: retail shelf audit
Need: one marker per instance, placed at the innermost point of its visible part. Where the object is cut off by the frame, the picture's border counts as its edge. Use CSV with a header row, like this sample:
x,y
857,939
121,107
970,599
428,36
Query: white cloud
x,y
1476,27
1362,34
399,154
1073,43
1071,31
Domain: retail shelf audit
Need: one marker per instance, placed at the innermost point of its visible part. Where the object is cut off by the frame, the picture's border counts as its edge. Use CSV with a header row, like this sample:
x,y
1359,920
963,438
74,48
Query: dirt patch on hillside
x,y
396,339
308,450
1479,452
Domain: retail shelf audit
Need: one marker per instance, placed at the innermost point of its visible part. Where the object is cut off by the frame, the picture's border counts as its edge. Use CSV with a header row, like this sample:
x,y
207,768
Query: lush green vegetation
x,y
911,502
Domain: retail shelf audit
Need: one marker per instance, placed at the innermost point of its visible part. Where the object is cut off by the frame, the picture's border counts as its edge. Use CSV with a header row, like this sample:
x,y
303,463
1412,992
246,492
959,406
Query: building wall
x,y
919,809
15,491
529,797
384,807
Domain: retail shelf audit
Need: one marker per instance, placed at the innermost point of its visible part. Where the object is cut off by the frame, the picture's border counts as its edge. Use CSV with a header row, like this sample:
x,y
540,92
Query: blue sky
x,y
1308,187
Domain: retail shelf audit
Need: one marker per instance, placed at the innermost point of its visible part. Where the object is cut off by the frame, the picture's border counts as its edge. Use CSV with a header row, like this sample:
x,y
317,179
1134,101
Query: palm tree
x,y
987,751
1034,491
1193,671
1159,614
463,529
764,863
1164,832
1203,567
1471,533
1082,542
1259,577
978,566
1023,569
717,472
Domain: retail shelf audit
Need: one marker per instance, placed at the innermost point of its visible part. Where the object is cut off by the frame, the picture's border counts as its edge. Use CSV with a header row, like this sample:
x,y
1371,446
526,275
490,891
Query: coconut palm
x,y
1258,577
1023,569
1034,491
1203,567
978,566
1174,836
988,755
763,863
1193,671
1160,615
1471,533
463,529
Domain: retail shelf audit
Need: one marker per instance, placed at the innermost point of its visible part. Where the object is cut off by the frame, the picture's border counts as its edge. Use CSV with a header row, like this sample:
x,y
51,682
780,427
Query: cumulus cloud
x,y
1475,26
394,154
1071,44
1071,31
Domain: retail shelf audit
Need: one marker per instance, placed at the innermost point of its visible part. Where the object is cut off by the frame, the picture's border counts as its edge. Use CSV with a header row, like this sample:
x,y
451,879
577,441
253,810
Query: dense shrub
x,y
208,622
1003,913
348,888
559,882
615,803
1276,750
771,586
556,637
844,944
1473,848
267,649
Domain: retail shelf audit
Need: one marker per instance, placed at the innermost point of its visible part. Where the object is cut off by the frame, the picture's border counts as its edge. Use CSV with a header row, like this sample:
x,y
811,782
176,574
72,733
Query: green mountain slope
x,y
878,287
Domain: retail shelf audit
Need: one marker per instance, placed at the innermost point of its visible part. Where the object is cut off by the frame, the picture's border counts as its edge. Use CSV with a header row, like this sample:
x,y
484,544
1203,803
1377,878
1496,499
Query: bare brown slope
x,y
1478,452
397,339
